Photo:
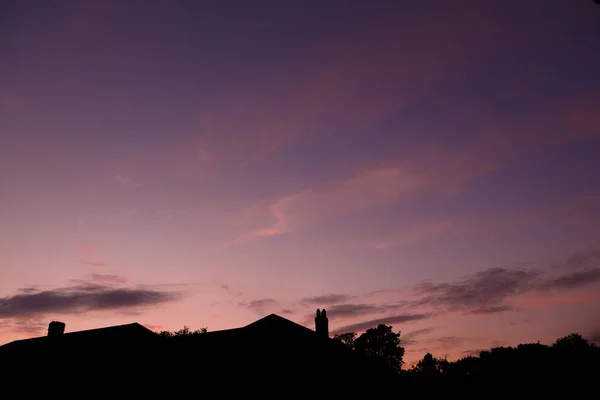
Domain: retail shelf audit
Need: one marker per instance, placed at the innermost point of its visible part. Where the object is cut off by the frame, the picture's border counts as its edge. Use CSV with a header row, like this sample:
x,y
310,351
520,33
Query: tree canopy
x,y
381,343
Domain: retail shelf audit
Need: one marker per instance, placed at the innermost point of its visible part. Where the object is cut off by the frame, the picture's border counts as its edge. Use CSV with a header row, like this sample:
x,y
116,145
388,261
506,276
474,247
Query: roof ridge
x,y
274,316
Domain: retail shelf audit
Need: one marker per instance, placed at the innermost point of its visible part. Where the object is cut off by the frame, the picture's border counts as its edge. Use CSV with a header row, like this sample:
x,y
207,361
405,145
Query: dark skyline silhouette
x,y
290,354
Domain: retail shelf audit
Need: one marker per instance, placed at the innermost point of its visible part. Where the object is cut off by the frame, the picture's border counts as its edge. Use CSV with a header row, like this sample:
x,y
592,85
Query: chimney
x,y
56,328
322,323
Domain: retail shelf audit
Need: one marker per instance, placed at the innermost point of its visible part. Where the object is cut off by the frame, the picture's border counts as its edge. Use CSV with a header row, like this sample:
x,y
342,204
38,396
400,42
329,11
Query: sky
x,y
428,165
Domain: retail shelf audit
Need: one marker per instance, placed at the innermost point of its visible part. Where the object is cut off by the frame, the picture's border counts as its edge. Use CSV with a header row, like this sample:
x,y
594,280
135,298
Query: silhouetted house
x,y
272,347
124,344
277,348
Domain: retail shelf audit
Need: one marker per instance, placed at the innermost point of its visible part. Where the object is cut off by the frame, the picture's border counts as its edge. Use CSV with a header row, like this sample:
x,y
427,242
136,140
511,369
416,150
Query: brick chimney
x,y
56,328
322,323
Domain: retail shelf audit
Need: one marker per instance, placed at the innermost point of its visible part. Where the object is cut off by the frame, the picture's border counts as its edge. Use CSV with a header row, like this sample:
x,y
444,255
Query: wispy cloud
x,y
391,320
327,299
428,167
363,192
333,200
88,253
354,310
278,227
86,249
416,234
365,82
411,337
482,292
26,326
581,260
228,289
83,296
573,279
126,181
196,159
491,291
520,322
261,306
92,263
109,278
351,310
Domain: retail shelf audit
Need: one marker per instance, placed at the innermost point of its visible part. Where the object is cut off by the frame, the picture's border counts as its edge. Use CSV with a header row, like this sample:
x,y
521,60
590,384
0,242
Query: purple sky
x,y
430,165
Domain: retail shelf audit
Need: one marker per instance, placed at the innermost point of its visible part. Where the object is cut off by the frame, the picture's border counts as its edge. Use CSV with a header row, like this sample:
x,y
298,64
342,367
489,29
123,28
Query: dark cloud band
x,y
81,298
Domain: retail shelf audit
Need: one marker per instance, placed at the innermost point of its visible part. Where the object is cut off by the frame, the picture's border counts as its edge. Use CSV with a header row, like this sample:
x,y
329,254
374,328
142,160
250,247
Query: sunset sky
x,y
432,165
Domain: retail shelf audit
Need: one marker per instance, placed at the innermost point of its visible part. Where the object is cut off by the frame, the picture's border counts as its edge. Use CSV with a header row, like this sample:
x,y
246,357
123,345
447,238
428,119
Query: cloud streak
x,y
92,263
126,181
82,297
573,279
327,299
491,291
329,201
261,306
109,278
365,191
411,337
482,292
416,234
394,319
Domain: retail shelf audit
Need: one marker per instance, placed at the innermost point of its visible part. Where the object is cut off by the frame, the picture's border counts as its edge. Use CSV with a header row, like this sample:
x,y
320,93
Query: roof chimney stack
x,y
56,328
322,323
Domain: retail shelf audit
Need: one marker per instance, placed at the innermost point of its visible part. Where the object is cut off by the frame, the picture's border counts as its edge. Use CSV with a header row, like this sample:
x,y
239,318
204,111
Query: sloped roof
x,y
272,328
274,324
271,325
127,331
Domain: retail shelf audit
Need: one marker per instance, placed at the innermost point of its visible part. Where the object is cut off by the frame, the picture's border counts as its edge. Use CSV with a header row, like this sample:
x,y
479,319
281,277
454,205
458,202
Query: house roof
x,y
271,325
272,328
127,331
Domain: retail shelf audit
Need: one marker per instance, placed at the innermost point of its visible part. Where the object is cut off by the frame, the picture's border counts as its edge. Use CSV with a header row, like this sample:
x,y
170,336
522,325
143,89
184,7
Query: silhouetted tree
x,y
185,331
383,343
429,369
347,339
574,341
429,365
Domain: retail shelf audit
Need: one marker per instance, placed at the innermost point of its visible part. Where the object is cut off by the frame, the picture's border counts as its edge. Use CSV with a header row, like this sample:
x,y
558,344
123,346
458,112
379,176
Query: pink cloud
x,y
92,263
368,190
327,202
428,168
343,87
535,301
126,181
365,81
278,227
195,156
108,278
86,249
417,233
89,255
